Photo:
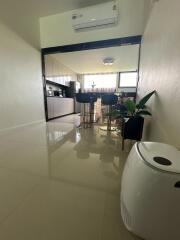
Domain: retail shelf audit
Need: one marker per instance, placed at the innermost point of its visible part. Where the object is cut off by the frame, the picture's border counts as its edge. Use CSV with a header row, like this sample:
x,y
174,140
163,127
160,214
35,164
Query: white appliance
x,y
77,105
150,193
95,16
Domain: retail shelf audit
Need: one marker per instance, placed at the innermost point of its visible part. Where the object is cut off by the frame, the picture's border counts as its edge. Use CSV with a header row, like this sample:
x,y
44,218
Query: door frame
x,y
131,40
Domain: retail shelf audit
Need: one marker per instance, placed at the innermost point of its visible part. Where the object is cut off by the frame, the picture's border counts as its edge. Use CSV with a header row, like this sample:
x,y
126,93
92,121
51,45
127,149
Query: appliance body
x,y
74,88
77,105
150,192
89,17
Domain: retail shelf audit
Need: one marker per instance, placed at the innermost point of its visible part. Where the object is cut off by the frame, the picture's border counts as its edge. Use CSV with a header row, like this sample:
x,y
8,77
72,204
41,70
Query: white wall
x,y
147,10
56,30
21,97
20,18
160,70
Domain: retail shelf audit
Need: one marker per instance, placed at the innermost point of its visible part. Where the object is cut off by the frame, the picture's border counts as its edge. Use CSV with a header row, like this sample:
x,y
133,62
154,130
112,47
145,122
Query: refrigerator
x,y
74,88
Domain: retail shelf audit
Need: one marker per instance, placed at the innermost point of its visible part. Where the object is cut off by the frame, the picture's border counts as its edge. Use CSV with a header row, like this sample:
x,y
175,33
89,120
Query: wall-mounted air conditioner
x,y
100,15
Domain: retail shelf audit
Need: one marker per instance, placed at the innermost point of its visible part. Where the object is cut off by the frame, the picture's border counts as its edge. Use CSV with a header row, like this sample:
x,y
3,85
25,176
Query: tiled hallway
x,y
60,182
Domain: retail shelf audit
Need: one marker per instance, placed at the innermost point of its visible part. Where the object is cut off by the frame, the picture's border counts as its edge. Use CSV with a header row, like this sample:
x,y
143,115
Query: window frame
x,y
119,79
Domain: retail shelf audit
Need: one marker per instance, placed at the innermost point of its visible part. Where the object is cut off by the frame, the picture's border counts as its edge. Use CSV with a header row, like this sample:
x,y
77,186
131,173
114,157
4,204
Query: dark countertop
x,y
59,97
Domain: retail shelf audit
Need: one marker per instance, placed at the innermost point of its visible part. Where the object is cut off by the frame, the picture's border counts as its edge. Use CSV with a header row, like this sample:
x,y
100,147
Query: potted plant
x,y
140,108
133,118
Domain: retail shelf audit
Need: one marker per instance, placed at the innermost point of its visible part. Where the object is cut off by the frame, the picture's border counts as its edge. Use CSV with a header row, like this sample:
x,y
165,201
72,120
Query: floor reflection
x,y
86,157
61,182
61,151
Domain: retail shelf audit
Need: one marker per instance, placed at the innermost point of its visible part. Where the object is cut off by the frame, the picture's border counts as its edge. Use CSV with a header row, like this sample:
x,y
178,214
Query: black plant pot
x,y
132,129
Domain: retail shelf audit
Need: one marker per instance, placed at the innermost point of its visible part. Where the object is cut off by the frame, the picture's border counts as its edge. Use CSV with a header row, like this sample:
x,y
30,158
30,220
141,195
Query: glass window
x,y
100,80
128,79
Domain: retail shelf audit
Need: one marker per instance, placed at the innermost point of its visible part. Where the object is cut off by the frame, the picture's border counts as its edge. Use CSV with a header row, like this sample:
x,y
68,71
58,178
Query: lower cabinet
x,y
50,106
59,106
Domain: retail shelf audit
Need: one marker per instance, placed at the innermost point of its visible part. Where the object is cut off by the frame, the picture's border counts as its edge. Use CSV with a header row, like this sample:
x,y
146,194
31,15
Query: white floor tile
x,y
57,211
61,182
15,187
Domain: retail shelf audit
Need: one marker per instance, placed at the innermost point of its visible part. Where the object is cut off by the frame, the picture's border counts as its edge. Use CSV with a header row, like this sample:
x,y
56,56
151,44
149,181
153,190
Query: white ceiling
x,y
22,16
91,61
40,8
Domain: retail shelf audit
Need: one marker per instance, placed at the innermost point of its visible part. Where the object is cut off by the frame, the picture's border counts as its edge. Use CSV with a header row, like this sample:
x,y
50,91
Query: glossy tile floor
x,y
60,182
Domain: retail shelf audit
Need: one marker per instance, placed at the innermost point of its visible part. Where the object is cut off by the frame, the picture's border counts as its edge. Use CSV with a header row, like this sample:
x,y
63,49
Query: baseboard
x,y
22,125
60,116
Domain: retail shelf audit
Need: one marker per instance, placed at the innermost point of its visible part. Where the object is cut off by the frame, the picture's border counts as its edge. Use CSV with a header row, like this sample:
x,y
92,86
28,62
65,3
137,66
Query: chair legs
x,y
109,118
85,116
109,121
92,116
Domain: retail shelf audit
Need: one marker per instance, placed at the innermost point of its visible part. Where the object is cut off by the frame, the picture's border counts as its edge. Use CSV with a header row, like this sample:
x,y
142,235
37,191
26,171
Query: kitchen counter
x,y
58,106
57,97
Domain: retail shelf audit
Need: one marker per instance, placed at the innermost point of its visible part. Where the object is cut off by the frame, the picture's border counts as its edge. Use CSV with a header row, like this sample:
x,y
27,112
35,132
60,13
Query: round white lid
x,y
161,156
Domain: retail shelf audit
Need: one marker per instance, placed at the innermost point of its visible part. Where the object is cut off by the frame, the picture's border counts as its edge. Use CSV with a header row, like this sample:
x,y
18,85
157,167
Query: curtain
x,y
100,82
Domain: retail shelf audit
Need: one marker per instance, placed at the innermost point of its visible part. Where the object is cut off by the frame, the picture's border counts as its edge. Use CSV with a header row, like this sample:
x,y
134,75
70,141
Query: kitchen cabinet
x,y
57,72
58,107
63,80
50,106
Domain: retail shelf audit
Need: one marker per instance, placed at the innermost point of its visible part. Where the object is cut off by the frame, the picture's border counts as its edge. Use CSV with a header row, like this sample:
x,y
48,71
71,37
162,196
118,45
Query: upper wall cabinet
x,y
57,72
63,80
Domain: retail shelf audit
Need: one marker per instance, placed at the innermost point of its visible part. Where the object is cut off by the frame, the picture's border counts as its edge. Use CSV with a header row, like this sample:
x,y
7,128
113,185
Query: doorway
x,y
66,69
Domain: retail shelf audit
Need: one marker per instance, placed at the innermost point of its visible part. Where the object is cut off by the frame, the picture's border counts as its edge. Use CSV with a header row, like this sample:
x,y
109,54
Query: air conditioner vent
x,y
90,17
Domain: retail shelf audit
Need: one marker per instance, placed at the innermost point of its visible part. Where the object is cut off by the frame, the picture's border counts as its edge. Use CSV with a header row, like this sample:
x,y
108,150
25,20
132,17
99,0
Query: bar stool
x,y
93,99
85,100
109,100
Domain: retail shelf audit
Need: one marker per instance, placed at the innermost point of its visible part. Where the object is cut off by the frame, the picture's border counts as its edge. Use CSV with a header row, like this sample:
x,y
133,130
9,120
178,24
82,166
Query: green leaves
x,y
143,101
143,113
140,108
113,113
116,114
131,106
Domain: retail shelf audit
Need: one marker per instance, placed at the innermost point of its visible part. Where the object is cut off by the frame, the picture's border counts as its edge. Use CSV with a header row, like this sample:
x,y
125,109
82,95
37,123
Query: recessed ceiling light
x,y
108,61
